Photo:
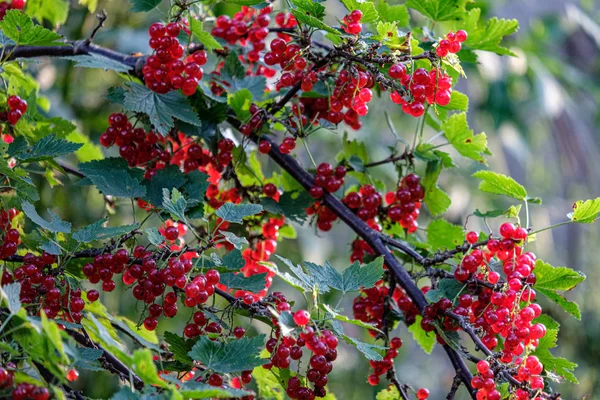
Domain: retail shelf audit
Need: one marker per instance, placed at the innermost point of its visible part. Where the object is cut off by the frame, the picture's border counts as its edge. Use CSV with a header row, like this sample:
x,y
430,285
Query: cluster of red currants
x,y
288,56
14,5
405,203
383,366
165,70
7,375
28,391
369,306
224,156
136,146
351,22
200,325
327,180
11,236
452,43
325,216
434,86
174,233
16,108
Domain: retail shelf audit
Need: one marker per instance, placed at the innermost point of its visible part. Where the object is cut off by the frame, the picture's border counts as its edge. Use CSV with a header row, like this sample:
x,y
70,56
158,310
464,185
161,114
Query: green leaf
x,y
489,214
180,347
585,212
55,11
199,390
236,241
343,318
229,356
248,167
233,260
98,61
196,185
87,359
91,4
424,340
144,5
52,333
554,365
313,8
175,204
113,177
269,388
245,2
97,231
161,108
167,178
441,235
456,129
351,279
300,281
366,7
254,283
12,292
436,199
309,20
487,37
446,288
144,367
154,236
88,151
493,182
292,205
237,212
54,225
393,13
203,37
458,101
391,393
550,280
48,147
371,351
439,10
240,103
233,68
18,27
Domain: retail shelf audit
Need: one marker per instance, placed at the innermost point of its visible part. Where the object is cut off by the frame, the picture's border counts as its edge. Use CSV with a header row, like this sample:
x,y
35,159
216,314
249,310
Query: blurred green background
x,y
539,110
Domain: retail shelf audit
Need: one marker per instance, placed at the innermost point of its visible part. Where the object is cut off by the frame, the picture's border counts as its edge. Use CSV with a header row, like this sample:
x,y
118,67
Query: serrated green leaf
x,y
240,103
351,279
87,359
196,185
154,236
300,281
366,7
144,367
255,283
175,204
233,68
312,7
550,280
441,235
371,351
113,177
456,129
487,37
439,10
436,200
292,205
98,61
12,292
167,178
97,231
48,147
424,340
237,212
393,13
19,27
144,5
309,20
229,356
269,388
203,37
489,214
554,365
55,11
493,182
236,241
585,212
54,225
233,260
343,318
88,151
446,288
160,108
180,347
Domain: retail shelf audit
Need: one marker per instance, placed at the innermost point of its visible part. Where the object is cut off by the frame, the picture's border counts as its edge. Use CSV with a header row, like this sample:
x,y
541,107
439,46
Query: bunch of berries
x,y
433,86
452,43
16,108
405,203
327,180
383,366
351,23
165,70
13,5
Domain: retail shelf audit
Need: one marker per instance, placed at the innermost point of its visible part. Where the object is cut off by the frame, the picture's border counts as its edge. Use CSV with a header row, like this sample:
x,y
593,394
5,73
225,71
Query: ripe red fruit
x,y
264,147
422,394
483,367
396,343
507,230
72,375
302,317
238,332
373,380
171,233
472,237
460,36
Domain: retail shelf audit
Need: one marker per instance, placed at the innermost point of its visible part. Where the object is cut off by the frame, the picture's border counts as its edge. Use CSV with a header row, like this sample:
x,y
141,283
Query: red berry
x,y
264,146
422,394
507,230
72,375
460,36
302,317
472,237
